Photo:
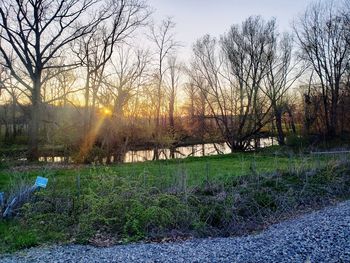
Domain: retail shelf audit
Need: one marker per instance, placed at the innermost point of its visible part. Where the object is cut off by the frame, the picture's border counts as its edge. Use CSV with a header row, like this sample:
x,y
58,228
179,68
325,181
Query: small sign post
x,y
41,182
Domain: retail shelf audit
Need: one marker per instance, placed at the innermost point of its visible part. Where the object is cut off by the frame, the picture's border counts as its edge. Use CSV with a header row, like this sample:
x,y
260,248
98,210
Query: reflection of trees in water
x,y
189,151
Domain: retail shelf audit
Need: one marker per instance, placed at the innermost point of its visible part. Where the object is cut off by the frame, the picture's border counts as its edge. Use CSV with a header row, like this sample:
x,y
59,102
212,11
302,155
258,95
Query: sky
x,y
195,18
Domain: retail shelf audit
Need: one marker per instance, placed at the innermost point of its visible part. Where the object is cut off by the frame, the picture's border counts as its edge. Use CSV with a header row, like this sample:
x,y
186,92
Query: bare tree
x,y
233,77
248,49
172,86
172,89
13,96
196,108
96,49
323,38
282,73
164,39
124,78
122,83
36,33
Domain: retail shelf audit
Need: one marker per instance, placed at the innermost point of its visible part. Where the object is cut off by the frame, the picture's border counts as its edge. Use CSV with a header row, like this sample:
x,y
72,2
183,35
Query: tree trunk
x,y
33,151
334,113
172,150
291,120
280,134
157,124
171,115
14,126
86,105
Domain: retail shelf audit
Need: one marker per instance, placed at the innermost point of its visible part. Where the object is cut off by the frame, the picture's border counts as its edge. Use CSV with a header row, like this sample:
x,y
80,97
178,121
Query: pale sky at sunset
x,y
194,18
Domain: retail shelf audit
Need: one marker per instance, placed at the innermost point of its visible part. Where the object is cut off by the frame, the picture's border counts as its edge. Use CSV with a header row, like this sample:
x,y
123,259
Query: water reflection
x,y
183,152
180,152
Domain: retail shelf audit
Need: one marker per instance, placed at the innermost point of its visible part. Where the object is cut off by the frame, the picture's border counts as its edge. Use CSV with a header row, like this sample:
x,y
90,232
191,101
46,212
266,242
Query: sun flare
x,y
107,112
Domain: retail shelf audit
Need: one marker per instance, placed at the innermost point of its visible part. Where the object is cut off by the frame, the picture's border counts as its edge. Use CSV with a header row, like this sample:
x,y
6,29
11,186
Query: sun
x,y
107,112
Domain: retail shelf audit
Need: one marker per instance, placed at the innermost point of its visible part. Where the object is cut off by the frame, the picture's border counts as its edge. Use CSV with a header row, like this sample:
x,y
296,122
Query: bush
x,y
296,141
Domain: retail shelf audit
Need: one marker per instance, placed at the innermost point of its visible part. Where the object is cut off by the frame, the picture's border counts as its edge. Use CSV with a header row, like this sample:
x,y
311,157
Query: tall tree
x,y
172,86
164,39
282,72
248,49
172,89
233,75
322,34
122,85
96,49
36,33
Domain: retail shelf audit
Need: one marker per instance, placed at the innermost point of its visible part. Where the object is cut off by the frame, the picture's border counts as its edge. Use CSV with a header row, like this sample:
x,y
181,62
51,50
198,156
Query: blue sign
x,y
41,182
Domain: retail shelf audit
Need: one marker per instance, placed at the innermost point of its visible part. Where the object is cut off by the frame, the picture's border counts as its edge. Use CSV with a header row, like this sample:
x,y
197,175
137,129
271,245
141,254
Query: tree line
x,y
73,74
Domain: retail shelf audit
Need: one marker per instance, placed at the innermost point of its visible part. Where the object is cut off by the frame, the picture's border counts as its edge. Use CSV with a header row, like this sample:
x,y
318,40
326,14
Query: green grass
x,y
196,196
160,173
14,237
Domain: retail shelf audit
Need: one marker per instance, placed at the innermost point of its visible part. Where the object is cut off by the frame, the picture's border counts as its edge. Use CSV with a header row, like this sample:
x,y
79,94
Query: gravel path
x,y
322,236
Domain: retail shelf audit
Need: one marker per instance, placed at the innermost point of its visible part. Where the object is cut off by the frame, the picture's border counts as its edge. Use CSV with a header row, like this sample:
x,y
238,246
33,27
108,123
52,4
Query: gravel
x,y
322,236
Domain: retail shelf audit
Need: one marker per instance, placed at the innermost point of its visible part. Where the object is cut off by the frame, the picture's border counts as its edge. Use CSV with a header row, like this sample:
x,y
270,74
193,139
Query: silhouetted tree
x,y
323,38
164,39
35,36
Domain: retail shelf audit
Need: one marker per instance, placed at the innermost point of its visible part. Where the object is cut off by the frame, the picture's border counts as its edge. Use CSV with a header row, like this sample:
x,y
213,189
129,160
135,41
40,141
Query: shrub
x,y
296,141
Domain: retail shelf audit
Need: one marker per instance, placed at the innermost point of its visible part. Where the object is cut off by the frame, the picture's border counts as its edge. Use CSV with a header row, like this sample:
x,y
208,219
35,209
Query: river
x,y
187,151
197,150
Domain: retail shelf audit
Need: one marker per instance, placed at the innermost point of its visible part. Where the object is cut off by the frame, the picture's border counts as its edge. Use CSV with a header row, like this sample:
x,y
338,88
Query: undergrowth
x,y
102,208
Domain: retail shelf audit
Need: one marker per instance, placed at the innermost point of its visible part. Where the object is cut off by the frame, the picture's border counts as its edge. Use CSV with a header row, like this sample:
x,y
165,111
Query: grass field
x,y
164,173
208,196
